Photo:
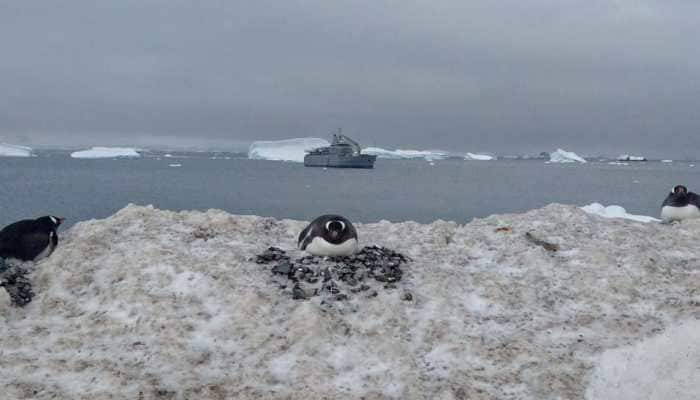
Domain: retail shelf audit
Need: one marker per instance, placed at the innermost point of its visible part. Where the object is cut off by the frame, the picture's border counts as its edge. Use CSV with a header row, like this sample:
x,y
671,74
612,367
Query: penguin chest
x,y
320,247
670,213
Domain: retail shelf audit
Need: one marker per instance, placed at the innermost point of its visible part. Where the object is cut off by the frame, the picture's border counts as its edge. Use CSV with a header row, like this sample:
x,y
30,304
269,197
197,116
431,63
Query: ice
x,y
157,304
627,157
428,155
174,165
479,157
666,161
563,156
107,152
666,366
285,150
616,212
13,150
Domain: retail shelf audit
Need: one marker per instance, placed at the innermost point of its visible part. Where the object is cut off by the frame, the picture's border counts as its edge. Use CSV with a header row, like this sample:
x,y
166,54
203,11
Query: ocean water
x,y
396,190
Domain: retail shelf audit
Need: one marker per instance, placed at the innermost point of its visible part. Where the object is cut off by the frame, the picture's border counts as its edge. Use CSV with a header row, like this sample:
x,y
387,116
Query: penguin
x,y
680,204
30,240
329,236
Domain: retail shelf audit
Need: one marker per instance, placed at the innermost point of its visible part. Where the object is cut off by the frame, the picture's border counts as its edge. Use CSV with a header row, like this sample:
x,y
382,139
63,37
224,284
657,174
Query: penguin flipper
x,y
34,244
305,237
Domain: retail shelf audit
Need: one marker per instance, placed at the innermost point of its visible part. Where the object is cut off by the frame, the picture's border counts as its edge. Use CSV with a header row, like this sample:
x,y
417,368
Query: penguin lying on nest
x,y
329,236
26,240
680,204
335,269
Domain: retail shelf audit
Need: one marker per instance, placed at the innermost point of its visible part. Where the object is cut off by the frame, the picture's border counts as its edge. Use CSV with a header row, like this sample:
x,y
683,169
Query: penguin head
x,y
334,230
679,190
51,221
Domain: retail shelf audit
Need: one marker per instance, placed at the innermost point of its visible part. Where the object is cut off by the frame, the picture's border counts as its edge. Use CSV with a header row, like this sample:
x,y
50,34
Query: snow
x,y
627,157
666,366
107,152
615,212
157,304
428,155
285,150
479,157
13,150
563,156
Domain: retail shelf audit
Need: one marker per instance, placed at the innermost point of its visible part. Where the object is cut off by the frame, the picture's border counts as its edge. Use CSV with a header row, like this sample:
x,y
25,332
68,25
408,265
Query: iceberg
x,y
173,305
13,150
284,150
479,157
563,156
627,157
107,152
616,212
428,155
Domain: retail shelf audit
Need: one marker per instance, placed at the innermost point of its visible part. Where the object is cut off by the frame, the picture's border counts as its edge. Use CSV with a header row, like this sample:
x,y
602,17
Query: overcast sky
x,y
592,76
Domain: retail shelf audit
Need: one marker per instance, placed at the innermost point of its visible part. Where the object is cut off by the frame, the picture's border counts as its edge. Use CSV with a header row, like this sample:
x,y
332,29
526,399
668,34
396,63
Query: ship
x,y
342,153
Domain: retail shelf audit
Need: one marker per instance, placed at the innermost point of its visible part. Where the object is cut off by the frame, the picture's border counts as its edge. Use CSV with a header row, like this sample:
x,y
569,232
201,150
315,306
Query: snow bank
x,y
284,150
428,155
479,157
563,156
157,304
13,150
666,366
107,152
627,157
615,212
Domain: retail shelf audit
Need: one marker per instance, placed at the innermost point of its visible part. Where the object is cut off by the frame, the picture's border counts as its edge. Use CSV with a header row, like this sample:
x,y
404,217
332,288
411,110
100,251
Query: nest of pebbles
x,y
372,269
14,280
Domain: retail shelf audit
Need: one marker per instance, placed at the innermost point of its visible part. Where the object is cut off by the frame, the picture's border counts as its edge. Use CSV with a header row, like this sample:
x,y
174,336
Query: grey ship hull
x,y
339,161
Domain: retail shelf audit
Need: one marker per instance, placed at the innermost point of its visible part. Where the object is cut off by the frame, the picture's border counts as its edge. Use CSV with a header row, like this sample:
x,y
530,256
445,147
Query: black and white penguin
x,y
30,239
680,204
329,236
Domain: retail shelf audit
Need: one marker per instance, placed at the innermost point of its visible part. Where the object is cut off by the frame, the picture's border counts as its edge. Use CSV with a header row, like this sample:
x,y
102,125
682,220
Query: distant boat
x,y
342,153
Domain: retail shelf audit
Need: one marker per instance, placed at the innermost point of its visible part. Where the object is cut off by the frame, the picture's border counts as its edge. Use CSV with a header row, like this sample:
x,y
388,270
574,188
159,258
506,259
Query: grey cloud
x,y
504,76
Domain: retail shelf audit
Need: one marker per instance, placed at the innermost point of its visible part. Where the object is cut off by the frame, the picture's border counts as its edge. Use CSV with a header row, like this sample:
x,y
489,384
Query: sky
x,y
505,76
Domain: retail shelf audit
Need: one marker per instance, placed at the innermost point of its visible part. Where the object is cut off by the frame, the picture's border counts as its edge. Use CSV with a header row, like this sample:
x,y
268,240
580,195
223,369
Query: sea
x,y
395,190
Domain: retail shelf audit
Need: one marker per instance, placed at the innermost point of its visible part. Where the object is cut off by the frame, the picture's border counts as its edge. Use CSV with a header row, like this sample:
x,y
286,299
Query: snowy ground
x,y
153,304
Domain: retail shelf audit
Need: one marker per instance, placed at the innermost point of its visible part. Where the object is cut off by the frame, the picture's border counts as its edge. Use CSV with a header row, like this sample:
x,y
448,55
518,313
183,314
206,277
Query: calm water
x,y
395,190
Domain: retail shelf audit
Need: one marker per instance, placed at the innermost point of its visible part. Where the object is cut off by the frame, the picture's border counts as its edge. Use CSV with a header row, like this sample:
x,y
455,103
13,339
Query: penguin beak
x,y
60,220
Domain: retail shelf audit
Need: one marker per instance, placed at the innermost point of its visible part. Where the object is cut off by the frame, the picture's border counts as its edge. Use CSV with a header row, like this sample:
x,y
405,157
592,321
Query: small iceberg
x,y
174,165
615,212
563,156
666,161
428,155
478,157
627,157
284,150
107,152
13,150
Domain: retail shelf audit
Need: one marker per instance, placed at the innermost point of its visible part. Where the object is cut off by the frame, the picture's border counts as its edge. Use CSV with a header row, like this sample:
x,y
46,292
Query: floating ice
x,y
666,161
615,212
479,157
161,304
107,152
284,150
428,155
563,156
13,150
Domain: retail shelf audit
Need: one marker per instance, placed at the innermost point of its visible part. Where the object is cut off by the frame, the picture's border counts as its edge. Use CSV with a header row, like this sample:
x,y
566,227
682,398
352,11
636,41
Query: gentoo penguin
x,y
329,236
30,240
680,204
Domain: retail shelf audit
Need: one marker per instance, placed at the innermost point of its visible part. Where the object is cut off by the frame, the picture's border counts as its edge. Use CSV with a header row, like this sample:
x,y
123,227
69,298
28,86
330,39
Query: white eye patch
x,y
342,225
55,221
